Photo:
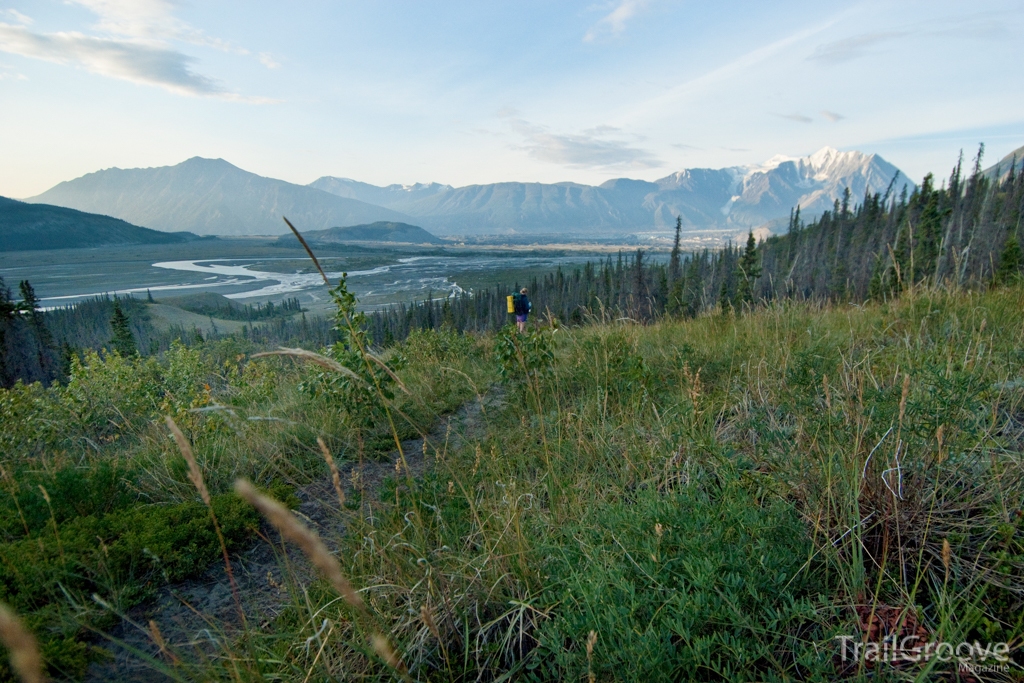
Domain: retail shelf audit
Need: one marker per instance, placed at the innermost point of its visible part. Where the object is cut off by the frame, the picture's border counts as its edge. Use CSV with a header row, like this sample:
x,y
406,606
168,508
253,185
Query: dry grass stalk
x,y
158,638
195,475
591,641
428,620
335,475
387,653
309,251
21,645
390,372
295,531
947,556
903,398
312,357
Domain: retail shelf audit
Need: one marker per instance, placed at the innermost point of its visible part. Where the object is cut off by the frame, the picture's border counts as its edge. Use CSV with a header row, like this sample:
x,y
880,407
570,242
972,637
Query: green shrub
x,y
123,557
702,584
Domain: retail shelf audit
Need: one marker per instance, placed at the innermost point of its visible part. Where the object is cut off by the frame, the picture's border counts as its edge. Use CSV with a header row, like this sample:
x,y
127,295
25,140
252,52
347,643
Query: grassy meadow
x,y
720,498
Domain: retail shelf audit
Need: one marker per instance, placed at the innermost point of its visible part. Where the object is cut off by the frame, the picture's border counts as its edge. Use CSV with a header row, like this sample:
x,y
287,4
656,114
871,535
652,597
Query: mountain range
x,y
211,196
26,227
738,197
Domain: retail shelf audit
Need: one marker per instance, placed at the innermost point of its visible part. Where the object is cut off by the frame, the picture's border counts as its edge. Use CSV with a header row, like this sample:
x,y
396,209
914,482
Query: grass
x,y
713,499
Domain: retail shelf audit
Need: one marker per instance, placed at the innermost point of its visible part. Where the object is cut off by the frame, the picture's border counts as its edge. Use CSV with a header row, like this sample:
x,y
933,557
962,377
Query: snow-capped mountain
x,y
738,197
210,196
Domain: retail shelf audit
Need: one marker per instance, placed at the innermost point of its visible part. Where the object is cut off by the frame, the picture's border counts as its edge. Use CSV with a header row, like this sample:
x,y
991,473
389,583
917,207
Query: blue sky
x,y
476,92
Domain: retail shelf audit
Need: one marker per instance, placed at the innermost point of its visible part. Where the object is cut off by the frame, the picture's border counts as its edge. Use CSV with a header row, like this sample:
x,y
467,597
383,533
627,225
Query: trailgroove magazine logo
x,y
973,656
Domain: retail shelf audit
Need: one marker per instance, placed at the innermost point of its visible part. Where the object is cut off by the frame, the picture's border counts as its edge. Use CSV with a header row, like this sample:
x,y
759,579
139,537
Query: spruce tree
x,y
44,339
122,339
1010,263
747,272
675,264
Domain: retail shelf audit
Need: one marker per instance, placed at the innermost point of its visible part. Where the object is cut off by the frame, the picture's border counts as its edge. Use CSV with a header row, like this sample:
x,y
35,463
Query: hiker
x,y
522,307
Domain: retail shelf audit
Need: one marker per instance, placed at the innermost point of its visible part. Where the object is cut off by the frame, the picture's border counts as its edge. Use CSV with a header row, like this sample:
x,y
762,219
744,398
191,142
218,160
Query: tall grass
x,y
717,498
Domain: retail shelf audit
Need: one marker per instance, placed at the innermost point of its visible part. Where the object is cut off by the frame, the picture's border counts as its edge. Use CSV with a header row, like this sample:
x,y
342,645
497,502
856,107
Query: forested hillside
x,y
965,232
26,227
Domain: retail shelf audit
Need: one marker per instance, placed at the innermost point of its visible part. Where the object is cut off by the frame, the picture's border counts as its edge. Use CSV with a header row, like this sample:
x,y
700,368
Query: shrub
x,y
701,584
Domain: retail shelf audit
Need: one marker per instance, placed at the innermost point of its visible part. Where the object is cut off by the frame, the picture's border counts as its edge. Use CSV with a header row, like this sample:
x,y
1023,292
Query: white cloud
x,y
660,103
851,48
588,150
135,61
799,118
16,16
267,60
614,23
8,74
832,116
151,20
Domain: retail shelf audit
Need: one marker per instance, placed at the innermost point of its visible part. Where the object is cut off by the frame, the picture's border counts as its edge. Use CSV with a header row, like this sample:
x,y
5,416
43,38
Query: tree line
x,y
964,232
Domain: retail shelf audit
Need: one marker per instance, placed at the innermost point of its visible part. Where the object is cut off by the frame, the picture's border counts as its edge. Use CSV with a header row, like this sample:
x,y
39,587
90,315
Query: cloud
x,y
582,150
133,61
832,116
722,73
614,23
602,130
267,60
151,20
851,48
7,74
799,118
16,16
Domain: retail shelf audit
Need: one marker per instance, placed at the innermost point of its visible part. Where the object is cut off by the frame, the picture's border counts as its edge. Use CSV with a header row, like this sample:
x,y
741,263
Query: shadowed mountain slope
x,y
26,227
381,231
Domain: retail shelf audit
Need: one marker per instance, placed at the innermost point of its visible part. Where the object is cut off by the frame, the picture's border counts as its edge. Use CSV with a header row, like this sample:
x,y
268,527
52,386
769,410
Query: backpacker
x,y
520,304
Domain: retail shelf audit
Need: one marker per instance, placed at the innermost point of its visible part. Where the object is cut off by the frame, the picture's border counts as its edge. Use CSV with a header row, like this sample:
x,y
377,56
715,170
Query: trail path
x,y
198,614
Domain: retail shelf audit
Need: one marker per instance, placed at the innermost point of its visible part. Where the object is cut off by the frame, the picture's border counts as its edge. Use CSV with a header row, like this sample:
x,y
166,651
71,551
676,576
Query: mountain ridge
x,y
738,197
209,196
381,231
30,227
212,196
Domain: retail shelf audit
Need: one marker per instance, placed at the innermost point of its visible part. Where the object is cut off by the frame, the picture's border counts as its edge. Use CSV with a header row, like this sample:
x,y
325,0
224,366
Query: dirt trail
x,y
198,614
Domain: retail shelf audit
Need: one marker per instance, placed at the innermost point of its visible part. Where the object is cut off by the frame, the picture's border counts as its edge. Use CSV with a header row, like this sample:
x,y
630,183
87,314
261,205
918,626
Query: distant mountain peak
x,y
210,197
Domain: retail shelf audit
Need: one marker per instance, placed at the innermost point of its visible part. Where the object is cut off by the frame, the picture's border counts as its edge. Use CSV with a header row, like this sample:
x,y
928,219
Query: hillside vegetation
x,y
26,227
381,231
717,498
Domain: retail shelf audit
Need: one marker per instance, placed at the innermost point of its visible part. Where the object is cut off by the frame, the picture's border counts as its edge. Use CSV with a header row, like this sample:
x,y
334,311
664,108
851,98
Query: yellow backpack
x,y
511,304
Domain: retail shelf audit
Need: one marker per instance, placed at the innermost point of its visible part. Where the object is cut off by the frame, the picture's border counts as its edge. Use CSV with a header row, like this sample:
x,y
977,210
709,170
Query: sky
x,y
478,92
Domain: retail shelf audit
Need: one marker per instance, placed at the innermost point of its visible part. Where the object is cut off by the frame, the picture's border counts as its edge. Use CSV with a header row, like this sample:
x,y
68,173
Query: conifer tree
x,y
675,263
44,339
1010,263
747,272
122,339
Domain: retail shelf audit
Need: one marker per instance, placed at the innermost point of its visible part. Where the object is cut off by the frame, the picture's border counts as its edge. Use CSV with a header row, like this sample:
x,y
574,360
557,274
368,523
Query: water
x,y
250,280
